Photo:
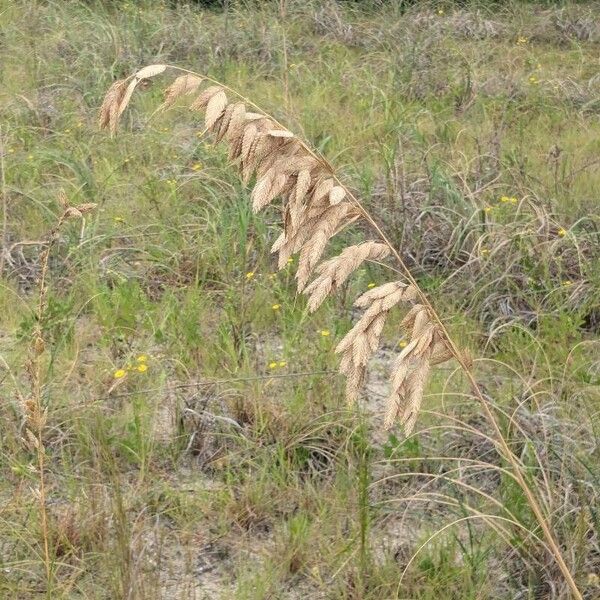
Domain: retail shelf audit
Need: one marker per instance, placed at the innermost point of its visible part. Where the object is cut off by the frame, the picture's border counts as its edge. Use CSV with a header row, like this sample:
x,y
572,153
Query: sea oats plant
x,y
317,206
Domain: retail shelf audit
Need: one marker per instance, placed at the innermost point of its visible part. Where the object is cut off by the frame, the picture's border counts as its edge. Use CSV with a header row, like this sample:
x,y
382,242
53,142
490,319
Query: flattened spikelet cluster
x,y
315,208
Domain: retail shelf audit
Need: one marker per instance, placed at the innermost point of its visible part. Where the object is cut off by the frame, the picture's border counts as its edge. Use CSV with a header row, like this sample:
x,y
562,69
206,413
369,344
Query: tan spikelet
x,y
214,109
235,128
184,85
336,195
411,368
326,227
362,340
334,272
204,97
150,71
145,73
109,111
280,133
302,185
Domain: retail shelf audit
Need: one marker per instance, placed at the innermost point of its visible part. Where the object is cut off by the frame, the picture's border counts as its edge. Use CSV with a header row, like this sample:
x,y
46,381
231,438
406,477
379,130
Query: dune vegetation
x,y
174,420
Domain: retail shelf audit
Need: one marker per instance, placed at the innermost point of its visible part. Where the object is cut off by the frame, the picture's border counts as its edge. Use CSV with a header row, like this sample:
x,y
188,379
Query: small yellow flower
x,y
142,358
488,209
67,131
521,40
567,283
504,199
371,285
325,332
403,343
512,200
282,363
272,275
196,167
272,365
290,260
120,373
118,219
80,124
30,157
249,275
276,306
142,368
126,160
11,150
484,251
533,80
562,232
441,12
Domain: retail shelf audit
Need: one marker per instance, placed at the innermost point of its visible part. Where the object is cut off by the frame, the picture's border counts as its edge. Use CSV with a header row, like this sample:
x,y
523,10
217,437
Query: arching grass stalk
x,y
316,206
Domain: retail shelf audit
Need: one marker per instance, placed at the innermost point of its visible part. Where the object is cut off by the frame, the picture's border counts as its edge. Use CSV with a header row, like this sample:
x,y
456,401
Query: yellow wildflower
x,y
290,260
11,150
142,358
521,40
562,232
272,365
142,368
282,363
512,200
196,167
276,306
403,344
371,285
533,80
504,199
488,209
441,12
30,157
249,275
484,251
325,332
567,283
118,219
119,373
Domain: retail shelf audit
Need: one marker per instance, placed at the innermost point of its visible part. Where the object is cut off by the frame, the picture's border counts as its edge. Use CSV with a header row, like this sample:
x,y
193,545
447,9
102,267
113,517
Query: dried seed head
x,y
315,209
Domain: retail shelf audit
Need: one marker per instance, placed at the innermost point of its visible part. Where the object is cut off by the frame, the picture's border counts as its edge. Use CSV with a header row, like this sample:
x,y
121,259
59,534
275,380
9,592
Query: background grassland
x,y
230,467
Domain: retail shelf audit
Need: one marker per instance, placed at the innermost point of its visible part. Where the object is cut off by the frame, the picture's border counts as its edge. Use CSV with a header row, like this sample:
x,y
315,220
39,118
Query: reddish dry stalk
x,y
34,412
